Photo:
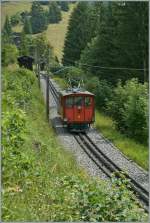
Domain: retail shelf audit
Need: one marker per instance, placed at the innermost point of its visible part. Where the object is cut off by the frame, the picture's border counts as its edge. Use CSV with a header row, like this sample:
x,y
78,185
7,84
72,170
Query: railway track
x,y
109,167
103,161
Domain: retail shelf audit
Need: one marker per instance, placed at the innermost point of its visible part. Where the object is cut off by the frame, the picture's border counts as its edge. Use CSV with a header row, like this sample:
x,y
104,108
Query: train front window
x,y
88,101
78,101
69,102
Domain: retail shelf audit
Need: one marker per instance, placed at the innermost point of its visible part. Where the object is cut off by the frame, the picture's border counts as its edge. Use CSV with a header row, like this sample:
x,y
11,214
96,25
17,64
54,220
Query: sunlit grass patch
x,y
56,33
135,151
61,82
11,7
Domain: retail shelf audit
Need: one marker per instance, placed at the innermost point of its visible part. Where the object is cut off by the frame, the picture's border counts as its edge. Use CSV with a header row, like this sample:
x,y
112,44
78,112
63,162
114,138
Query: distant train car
x,y
77,109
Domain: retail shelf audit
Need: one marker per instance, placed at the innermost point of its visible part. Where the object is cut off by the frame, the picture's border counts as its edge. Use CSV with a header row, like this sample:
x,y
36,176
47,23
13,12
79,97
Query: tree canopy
x,y
78,35
38,18
54,13
106,36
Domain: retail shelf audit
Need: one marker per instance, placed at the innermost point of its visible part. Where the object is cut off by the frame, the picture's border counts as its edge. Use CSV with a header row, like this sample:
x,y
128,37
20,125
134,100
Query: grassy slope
x,y
56,33
132,149
49,161
11,8
45,183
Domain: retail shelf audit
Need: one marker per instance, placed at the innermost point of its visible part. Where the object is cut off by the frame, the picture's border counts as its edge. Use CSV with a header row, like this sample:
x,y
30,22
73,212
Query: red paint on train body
x,y
77,109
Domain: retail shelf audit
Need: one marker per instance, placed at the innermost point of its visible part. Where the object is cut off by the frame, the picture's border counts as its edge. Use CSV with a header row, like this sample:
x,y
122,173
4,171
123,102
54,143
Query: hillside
x,y
41,182
55,33
11,8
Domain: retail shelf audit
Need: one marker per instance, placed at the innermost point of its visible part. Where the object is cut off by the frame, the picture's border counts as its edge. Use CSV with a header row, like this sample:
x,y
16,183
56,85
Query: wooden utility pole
x,y
47,97
37,66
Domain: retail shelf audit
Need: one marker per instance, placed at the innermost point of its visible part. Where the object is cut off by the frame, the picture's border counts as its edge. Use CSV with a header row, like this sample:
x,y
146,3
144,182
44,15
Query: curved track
x,y
103,161
109,167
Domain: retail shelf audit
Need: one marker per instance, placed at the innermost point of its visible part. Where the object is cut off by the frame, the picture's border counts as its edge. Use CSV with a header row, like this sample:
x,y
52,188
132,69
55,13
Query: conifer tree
x,y
64,5
79,33
23,49
38,18
27,26
7,31
121,41
54,14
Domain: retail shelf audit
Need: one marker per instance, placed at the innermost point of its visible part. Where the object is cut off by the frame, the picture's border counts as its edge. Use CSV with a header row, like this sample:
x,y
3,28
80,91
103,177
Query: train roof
x,y
75,92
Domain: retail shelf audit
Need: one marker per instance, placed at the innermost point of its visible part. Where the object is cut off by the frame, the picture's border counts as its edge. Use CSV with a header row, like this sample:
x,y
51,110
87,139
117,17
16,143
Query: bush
x,y
135,113
13,129
102,90
18,87
9,54
15,19
129,108
93,201
55,67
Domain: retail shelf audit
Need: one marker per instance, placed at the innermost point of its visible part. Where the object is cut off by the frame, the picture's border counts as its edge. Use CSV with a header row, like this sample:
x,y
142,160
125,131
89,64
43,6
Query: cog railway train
x,y
76,108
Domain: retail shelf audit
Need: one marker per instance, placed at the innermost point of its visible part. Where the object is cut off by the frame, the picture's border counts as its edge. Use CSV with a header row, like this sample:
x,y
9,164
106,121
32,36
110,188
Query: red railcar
x,y
77,109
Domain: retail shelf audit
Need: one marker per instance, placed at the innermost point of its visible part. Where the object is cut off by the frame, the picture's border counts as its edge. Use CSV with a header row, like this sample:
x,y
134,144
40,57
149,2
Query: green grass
x,y
131,148
11,8
41,181
56,33
24,195
61,82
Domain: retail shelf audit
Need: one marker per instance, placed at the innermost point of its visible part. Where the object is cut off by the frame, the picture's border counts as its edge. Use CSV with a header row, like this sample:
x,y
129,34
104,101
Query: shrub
x,y
55,67
101,89
129,108
135,113
93,201
9,54
17,94
15,19
74,75
18,87
13,129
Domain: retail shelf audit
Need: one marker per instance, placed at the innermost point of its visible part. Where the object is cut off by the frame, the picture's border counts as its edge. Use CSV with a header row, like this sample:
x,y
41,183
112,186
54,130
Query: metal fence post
x,y
47,96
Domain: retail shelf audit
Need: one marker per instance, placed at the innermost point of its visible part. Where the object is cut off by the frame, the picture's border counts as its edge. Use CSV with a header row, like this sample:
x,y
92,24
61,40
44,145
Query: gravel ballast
x,y
69,142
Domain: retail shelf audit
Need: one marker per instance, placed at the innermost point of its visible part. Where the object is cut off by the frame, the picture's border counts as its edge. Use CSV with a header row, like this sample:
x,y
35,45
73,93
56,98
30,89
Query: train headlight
x,y
65,119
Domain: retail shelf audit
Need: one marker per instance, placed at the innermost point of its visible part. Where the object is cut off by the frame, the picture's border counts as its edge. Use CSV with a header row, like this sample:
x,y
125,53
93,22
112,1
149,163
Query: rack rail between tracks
x,y
102,160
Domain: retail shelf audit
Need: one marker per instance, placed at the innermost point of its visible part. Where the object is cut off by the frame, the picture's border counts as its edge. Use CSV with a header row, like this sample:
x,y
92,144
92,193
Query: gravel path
x,y
108,148
68,140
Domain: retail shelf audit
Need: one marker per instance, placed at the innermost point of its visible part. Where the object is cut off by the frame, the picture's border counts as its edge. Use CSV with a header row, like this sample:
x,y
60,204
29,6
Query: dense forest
x,y
110,47
111,35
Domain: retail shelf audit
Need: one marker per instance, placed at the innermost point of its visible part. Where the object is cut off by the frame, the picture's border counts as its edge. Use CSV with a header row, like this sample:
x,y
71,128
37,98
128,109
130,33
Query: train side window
x,y
88,101
78,101
69,102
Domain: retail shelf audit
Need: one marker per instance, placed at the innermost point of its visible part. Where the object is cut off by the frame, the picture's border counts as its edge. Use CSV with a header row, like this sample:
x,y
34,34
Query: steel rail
x,y
103,161
109,167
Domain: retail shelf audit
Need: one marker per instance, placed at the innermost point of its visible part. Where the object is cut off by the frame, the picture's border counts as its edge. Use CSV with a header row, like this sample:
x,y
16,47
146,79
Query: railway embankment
x,y
41,181
103,147
106,125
